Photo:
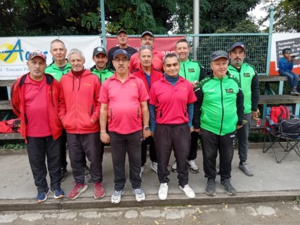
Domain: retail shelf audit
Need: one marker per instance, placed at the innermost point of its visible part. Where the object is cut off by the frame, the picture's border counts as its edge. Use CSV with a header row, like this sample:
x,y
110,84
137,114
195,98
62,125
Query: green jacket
x,y
56,72
190,70
248,79
102,74
219,107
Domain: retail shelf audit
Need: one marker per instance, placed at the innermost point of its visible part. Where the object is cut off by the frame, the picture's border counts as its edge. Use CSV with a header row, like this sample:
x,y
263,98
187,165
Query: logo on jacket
x,y
87,84
229,90
246,74
191,70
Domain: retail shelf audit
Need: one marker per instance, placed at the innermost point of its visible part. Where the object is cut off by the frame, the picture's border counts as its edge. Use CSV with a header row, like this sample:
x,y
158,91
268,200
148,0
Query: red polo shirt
x,y
36,108
124,103
171,101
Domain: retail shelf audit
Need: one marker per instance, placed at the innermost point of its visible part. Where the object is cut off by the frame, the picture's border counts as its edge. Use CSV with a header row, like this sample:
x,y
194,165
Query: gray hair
x,y
171,55
75,51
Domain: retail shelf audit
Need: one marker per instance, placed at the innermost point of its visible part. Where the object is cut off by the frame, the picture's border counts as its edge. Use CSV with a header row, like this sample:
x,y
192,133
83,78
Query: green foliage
x,y
65,17
286,15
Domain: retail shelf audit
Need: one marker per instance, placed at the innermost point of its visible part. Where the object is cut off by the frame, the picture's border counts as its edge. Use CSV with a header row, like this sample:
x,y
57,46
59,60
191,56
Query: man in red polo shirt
x,y
34,98
149,75
147,38
124,107
171,112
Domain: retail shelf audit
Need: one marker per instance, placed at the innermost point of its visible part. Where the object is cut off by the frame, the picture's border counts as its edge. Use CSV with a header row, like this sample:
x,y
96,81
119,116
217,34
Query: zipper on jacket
x,y
222,104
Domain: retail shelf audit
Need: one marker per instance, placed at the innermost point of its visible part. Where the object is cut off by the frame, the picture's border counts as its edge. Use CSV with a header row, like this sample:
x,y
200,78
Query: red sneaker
x,y
99,191
77,190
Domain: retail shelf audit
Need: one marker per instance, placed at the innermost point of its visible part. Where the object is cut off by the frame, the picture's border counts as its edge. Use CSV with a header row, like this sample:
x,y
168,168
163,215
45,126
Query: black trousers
x,y
120,144
211,145
38,149
194,146
152,150
168,137
89,145
63,150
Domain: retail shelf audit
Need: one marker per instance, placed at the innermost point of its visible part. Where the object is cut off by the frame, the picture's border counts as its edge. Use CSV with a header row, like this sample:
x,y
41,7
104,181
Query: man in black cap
x,y
122,40
247,76
147,38
101,67
218,112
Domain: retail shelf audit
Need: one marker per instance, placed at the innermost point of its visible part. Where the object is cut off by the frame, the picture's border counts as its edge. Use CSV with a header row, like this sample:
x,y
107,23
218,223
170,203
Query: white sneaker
x,y
174,167
154,166
163,191
192,165
116,196
142,170
188,191
139,194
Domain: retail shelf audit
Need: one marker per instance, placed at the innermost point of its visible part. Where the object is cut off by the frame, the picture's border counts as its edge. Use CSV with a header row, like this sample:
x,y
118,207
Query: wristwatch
x,y
146,128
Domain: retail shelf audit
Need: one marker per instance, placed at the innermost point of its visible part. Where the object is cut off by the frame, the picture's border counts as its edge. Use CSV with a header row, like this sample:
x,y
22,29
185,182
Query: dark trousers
x,y
194,146
39,148
211,145
152,150
242,135
168,137
89,145
120,144
63,150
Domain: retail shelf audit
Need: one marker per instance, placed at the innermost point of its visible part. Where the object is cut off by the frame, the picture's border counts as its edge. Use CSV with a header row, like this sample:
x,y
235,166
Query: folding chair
x,y
287,142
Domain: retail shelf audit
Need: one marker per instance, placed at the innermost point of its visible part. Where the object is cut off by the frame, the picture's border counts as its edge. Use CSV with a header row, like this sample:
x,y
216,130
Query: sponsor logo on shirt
x,y
191,70
211,90
229,90
87,84
133,84
246,74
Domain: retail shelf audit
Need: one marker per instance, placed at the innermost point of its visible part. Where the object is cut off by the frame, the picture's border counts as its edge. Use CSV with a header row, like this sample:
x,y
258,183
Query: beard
x,y
236,63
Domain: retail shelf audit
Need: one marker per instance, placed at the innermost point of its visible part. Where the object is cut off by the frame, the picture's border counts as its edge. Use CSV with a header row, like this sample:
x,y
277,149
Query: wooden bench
x,y
270,98
11,136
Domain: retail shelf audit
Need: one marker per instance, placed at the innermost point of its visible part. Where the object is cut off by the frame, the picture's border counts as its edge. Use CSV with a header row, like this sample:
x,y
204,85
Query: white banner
x,y
281,41
14,51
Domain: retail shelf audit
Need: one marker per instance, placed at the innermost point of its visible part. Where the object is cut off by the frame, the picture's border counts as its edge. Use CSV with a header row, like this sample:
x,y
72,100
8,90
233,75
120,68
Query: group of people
x,y
126,100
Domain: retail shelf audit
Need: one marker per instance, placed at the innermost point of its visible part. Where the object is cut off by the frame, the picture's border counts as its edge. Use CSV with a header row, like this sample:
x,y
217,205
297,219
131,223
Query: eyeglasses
x,y
121,60
147,39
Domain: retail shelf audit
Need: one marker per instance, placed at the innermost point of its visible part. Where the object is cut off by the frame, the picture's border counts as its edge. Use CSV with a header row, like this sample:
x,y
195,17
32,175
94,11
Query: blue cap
x,y
218,54
237,44
120,52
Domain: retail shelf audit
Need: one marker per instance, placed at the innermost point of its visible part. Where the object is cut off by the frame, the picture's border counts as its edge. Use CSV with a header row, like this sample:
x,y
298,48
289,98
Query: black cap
x,y
120,52
147,32
99,50
121,31
238,44
286,50
218,54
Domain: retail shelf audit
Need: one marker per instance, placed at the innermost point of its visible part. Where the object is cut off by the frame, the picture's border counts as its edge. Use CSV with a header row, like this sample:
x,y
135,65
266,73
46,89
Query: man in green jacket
x,y
57,69
101,67
218,113
248,79
193,72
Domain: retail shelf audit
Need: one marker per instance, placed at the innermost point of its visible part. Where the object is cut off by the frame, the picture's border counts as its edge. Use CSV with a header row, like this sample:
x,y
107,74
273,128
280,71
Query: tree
x,y
286,15
64,17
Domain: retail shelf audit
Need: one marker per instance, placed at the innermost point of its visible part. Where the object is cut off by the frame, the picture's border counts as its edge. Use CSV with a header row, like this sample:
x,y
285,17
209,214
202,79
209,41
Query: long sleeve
x,y
190,110
240,107
255,92
152,117
197,108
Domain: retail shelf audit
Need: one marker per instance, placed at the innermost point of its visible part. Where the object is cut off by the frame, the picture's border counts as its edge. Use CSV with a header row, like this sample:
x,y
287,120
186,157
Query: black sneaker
x,y
211,187
228,187
64,174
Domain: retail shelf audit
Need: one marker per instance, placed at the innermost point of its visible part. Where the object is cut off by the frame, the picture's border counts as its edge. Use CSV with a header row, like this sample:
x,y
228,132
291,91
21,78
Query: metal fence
x,y
256,48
